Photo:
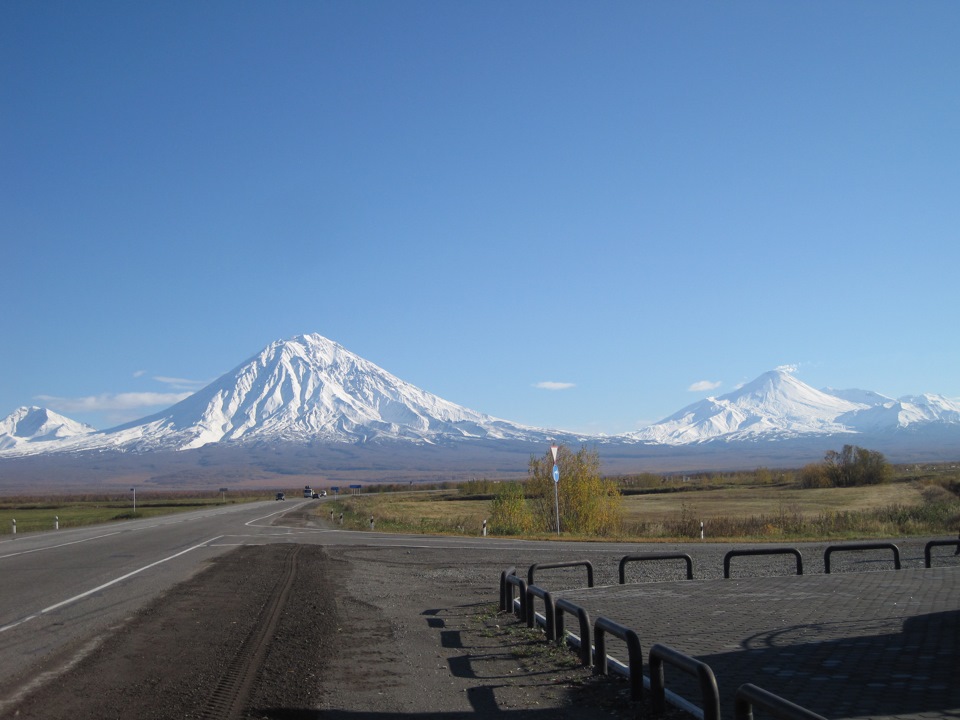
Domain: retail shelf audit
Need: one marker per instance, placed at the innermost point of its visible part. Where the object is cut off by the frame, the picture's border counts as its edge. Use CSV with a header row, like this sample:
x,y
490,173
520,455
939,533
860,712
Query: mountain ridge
x,y
309,389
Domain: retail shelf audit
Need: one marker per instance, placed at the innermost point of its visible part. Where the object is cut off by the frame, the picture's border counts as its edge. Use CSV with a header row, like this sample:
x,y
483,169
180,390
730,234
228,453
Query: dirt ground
x,y
344,633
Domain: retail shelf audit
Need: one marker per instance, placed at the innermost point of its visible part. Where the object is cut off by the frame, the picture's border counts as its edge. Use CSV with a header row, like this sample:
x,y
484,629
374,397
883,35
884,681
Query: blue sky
x,y
575,215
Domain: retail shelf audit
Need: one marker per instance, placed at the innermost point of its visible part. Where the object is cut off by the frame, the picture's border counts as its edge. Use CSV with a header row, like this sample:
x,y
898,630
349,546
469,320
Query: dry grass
x,y
766,500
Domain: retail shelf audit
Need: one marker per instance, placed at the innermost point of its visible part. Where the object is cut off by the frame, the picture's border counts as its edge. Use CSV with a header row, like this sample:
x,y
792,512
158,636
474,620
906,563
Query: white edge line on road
x,y
82,595
54,547
286,509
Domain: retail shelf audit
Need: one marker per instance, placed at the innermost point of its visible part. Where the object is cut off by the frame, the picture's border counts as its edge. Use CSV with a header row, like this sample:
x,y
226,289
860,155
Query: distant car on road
x,y
281,496
316,496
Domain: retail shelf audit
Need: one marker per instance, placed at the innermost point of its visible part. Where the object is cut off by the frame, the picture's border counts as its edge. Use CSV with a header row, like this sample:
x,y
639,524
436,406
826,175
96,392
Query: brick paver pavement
x,y
844,645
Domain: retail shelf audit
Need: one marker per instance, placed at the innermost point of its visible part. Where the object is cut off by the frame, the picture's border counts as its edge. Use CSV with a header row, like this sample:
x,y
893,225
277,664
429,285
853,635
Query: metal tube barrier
x,y
522,588
643,557
749,695
710,694
634,653
860,546
586,644
574,563
506,602
938,543
549,610
763,551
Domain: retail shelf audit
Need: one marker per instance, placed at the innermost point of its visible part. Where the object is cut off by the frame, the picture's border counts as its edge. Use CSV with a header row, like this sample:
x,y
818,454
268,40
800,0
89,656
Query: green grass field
x,y
33,514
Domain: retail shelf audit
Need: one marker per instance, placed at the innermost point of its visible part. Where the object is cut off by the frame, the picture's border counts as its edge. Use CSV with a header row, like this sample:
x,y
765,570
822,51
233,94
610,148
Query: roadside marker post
x,y
556,484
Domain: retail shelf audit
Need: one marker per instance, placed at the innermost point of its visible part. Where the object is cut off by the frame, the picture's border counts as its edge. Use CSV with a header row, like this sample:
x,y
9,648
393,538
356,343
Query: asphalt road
x,y
62,591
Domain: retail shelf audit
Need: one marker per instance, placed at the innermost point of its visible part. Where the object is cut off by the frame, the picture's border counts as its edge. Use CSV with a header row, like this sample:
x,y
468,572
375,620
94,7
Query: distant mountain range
x,y
310,391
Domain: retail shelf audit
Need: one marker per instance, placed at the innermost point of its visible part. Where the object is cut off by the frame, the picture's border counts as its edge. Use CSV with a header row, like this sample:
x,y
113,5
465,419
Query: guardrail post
x,y
860,546
512,580
586,644
763,551
927,556
573,563
505,603
634,653
709,692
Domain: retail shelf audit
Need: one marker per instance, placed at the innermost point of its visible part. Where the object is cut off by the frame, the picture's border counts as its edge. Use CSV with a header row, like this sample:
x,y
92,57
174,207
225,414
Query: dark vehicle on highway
x,y
281,496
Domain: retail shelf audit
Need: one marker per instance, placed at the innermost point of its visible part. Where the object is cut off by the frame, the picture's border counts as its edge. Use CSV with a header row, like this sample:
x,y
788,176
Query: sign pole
x,y
556,484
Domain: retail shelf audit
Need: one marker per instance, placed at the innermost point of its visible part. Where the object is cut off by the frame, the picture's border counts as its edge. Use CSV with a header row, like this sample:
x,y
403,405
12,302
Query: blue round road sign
x,y
556,474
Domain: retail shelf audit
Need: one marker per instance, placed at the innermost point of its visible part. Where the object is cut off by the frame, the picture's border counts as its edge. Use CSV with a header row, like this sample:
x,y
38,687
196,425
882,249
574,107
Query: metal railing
x,y
584,641
634,652
549,566
928,556
709,692
762,551
860,546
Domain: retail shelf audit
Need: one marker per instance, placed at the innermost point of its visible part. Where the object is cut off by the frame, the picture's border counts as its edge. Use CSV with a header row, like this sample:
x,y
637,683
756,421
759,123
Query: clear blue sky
x,y
644,203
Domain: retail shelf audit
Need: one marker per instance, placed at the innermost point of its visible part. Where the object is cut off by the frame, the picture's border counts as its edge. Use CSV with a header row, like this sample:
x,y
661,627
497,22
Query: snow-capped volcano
x,y
28,425
776,403
779,406
306,389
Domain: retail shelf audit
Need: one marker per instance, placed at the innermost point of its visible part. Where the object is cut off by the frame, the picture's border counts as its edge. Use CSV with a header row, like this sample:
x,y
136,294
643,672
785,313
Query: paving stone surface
x,y
844,645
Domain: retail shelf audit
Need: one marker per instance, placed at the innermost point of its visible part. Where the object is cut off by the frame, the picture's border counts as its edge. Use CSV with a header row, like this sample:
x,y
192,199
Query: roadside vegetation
x,y
43,512
852,494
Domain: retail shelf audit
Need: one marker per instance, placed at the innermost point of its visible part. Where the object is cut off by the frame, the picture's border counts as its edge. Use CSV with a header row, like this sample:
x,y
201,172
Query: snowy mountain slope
x,y
28,425
306,389
310,390
778,406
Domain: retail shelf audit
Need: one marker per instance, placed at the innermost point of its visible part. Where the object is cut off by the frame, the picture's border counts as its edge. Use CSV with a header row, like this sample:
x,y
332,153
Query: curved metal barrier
x,y
927,555
860,546
505,602
709,692
644,557
749,695
762,551
521,585
586,644
573,563
634,652
549,610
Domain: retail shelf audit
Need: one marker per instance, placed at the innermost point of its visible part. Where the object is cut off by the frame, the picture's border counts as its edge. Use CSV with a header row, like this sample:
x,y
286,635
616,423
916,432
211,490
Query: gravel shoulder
x,y
364,631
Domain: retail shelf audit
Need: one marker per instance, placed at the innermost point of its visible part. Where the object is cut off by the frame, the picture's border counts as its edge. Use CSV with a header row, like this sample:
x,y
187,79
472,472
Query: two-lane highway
x,y
60,591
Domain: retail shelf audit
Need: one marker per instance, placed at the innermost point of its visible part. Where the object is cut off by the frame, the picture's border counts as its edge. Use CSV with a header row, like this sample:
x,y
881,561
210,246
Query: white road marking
x,y
97,589
53,547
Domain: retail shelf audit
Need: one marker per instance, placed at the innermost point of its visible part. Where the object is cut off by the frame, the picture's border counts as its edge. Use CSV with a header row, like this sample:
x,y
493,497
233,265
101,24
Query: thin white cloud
x,y
181,383
550,385
791,368
112,401
139,373
704,386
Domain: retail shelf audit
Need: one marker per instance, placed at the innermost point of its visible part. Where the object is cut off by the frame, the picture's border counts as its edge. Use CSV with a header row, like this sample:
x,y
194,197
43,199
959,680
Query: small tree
x,y
509,513
589,504
854,466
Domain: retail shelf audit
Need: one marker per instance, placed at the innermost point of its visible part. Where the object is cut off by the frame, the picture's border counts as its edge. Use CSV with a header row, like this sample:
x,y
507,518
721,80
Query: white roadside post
x,y
134,491
556,484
